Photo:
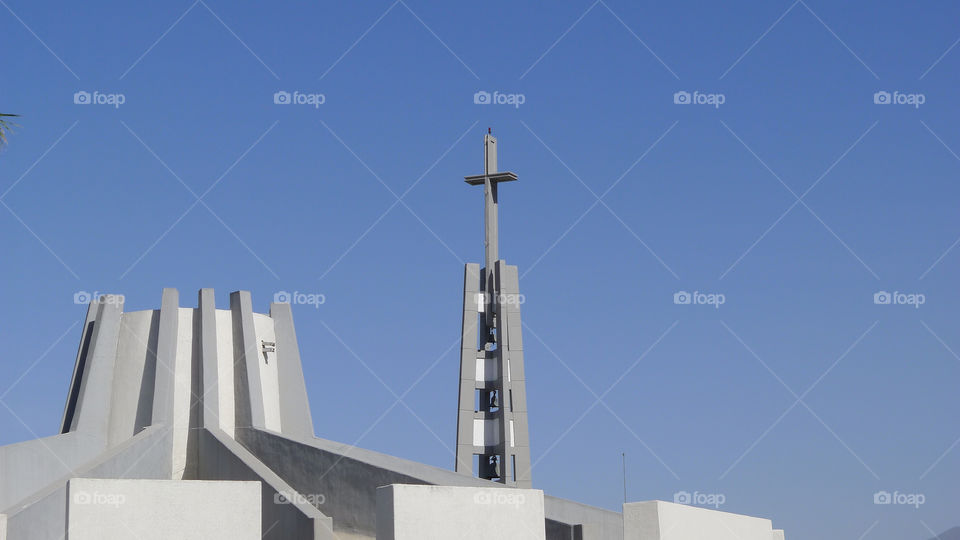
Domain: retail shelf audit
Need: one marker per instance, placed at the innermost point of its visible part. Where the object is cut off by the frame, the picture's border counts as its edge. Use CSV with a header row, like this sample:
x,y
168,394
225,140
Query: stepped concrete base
x,y
441,512
659,520
101,509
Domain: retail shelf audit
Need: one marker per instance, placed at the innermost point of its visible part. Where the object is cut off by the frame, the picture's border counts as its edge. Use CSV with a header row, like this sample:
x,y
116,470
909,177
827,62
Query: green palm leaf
x,y
6,126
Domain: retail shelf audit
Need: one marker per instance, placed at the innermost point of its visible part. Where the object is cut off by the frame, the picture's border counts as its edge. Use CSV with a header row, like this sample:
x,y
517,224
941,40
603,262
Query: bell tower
x,y
492,417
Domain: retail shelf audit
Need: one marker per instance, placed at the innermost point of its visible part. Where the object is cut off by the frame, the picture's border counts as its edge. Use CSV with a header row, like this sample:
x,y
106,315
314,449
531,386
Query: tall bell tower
x,y
492,417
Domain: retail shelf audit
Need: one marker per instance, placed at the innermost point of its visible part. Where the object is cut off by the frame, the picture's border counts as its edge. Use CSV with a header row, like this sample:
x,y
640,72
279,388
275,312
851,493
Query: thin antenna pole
x,y
624,456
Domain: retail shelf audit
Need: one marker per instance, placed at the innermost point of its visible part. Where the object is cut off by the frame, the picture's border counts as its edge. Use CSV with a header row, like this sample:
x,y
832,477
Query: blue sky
x,y
797,199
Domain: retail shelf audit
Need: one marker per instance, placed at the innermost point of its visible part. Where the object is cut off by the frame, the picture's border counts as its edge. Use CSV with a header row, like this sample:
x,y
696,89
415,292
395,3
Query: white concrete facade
x,y
659,520
413,512
106,509
269,376
205,395
225,367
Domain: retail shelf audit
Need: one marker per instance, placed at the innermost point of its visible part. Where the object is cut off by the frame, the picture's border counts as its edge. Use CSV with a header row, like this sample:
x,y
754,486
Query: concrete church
x,y
194,422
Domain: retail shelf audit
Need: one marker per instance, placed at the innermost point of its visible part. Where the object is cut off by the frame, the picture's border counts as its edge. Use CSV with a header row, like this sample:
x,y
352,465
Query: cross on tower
x,y
492,417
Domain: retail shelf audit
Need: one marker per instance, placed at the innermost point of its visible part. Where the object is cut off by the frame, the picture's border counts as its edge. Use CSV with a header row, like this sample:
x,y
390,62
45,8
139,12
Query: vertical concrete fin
x,y
86,332
515,427
468,368
92,413
248,388
209,377
295,417
164,380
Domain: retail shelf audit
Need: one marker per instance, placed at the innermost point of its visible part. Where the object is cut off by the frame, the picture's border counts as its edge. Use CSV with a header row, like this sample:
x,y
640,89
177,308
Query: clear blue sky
x,y
701,198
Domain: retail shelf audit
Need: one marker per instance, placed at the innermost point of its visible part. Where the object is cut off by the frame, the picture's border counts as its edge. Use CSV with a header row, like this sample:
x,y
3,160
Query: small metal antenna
x,y
624,456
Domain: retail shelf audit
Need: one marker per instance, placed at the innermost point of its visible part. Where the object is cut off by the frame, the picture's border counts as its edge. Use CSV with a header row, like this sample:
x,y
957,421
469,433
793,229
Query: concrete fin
x,y
294,404
92,413
86,334
248,389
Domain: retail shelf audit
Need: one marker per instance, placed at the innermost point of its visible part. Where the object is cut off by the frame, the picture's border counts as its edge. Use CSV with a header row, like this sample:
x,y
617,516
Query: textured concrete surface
x,y
347,478
286,513
407,512
29,466
294,405
42,515
101,509
659,520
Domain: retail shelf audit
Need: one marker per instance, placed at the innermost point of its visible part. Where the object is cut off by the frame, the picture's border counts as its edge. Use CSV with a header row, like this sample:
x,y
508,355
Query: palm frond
x,y
6,126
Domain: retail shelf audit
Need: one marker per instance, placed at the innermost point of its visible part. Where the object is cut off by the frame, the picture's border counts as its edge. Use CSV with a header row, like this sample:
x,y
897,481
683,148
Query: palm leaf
x,y
5,126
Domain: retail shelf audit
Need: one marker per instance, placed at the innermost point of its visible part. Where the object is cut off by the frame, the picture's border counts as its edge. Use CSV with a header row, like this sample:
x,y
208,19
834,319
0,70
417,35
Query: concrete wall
x,y
596,523
406,512
42,516
101,509
132,402
29,466
285,514
347,479
659,520
44,519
